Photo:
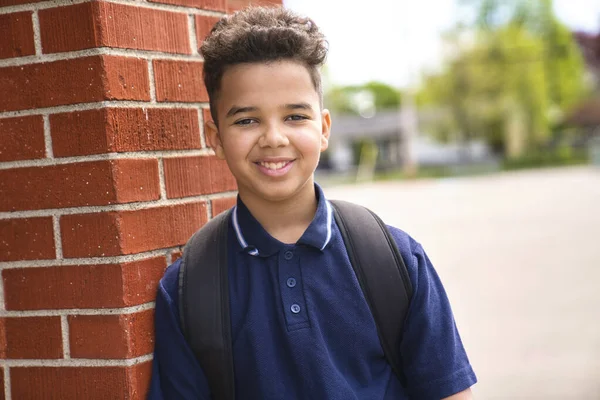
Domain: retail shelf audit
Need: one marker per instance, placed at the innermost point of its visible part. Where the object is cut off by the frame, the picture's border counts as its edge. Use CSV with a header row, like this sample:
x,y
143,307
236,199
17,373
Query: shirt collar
x,y
256,241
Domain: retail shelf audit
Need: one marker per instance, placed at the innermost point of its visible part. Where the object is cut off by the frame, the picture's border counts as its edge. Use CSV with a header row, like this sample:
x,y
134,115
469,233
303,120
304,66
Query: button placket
x,y
292,296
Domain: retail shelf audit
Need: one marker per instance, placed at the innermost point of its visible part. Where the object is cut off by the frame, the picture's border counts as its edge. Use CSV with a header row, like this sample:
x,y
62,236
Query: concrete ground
x,y
519,254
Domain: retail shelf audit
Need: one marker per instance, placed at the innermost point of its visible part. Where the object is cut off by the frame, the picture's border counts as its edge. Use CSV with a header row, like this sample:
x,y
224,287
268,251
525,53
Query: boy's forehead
x,y
256,84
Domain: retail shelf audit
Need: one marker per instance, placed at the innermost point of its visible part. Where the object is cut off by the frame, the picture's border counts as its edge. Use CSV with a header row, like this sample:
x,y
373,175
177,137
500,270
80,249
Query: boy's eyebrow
x,y
301,106
293,106
237,110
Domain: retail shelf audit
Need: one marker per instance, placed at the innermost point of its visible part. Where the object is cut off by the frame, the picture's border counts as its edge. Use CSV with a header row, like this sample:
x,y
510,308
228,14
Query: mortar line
x,y
37,37
97,51
140,155
57,237
78,362
65,337
152,83
139,206
192,34
101,105
100,261
48,137
209,210
2,305
78,311
201,123
161,177
7,389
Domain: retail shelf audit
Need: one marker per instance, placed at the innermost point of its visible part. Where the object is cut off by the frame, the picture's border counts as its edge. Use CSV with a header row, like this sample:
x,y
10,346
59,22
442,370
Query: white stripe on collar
x,y
329,214
238,233
254,252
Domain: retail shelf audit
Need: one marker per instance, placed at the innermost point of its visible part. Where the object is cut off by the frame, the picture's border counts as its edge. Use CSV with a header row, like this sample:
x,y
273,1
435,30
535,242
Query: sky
x,y
369,40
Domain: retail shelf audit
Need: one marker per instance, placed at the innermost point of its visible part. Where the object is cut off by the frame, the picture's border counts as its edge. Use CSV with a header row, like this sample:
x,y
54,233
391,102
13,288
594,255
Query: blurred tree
x,y
358,99
515,70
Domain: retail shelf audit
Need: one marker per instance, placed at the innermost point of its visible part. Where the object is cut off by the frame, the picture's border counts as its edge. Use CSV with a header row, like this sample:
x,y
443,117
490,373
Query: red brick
x,y
31,337
124,129
130,232
179,81
81,80
111,336
203,26
139,380
1,383
16,35
190,176
87,235
22,138
82,286
26,239
75,383
101,24
80,184
213,5
126,78
222,204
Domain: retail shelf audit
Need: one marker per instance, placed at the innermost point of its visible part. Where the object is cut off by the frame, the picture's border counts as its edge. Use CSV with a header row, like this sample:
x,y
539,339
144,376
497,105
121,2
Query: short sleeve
x,y
434,360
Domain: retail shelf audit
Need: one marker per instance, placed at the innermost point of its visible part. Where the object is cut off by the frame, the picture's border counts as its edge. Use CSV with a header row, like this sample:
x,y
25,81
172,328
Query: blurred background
x,y
474,125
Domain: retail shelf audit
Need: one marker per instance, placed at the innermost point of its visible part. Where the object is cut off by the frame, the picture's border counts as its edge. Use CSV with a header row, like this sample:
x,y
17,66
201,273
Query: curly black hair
x,y
261,34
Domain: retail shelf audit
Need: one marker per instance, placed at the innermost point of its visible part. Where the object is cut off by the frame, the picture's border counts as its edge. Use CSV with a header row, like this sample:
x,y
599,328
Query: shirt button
x,y
291,282
288,255
295,308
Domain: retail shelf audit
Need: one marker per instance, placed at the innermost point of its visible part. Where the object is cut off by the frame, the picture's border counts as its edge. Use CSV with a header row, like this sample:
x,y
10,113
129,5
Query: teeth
x,y
273,166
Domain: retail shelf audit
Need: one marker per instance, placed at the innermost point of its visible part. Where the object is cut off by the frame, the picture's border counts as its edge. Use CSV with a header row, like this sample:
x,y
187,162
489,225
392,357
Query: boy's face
x,y
271,129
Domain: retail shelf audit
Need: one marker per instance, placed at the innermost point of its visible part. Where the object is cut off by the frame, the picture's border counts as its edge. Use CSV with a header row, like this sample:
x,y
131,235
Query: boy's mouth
x,y
274,166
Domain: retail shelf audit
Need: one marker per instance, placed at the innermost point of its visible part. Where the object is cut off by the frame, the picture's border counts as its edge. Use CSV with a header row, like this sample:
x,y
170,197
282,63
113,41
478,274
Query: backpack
x,y
204,290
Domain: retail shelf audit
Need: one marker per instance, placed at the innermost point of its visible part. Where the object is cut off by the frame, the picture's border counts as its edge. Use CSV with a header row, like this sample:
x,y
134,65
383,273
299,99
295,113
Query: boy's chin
x,y
280,193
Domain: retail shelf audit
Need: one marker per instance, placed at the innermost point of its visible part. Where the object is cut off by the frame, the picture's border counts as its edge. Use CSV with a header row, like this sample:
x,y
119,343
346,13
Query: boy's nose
x,y
273,136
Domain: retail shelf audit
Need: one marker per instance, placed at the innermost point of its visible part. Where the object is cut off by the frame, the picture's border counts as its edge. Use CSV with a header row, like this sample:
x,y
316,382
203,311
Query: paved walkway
x,y
519,254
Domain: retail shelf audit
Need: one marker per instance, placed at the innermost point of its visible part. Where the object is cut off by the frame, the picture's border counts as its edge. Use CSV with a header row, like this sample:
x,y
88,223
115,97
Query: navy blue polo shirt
x,y
302,329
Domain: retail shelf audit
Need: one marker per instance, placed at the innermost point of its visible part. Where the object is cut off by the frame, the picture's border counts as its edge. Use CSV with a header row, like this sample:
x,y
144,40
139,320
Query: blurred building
x,y
589,44
384,130
587,114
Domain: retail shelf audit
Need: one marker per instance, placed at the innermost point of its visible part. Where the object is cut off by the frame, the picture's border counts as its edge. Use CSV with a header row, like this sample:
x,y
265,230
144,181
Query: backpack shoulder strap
x,y
381,272
204,304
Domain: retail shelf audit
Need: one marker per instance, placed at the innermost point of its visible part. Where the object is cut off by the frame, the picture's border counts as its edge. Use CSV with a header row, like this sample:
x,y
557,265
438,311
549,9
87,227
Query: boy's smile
x,y
275,166
271,129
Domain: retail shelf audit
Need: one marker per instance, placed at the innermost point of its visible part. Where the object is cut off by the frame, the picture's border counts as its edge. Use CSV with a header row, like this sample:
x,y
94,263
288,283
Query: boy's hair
x,y
260,34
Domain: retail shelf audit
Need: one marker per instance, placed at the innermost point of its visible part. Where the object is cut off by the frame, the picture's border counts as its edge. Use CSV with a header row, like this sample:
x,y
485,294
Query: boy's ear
x,y
211,132
325,129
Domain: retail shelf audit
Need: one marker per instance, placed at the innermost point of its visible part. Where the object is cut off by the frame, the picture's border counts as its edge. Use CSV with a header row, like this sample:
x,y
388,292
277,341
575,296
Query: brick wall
x,y
104,174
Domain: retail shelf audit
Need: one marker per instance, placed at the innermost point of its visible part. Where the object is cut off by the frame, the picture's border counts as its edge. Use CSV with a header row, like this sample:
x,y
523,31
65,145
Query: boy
x,y
301,327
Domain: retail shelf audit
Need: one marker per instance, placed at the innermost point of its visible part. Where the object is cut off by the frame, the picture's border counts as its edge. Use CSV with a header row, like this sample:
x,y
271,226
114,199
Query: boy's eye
x,y
245,121
296,117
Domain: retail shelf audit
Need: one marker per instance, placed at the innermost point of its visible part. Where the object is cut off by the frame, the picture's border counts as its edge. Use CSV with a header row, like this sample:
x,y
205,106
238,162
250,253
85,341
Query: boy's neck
x,y
285,220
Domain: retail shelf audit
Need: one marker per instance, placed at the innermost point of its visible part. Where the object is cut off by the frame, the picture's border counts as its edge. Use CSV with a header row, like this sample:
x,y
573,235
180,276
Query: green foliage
x,y
352,99
563,156
515,71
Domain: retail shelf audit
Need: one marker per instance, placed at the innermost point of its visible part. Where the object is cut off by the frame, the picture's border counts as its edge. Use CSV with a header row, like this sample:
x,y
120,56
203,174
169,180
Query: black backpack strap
x,y
381,272
204,304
